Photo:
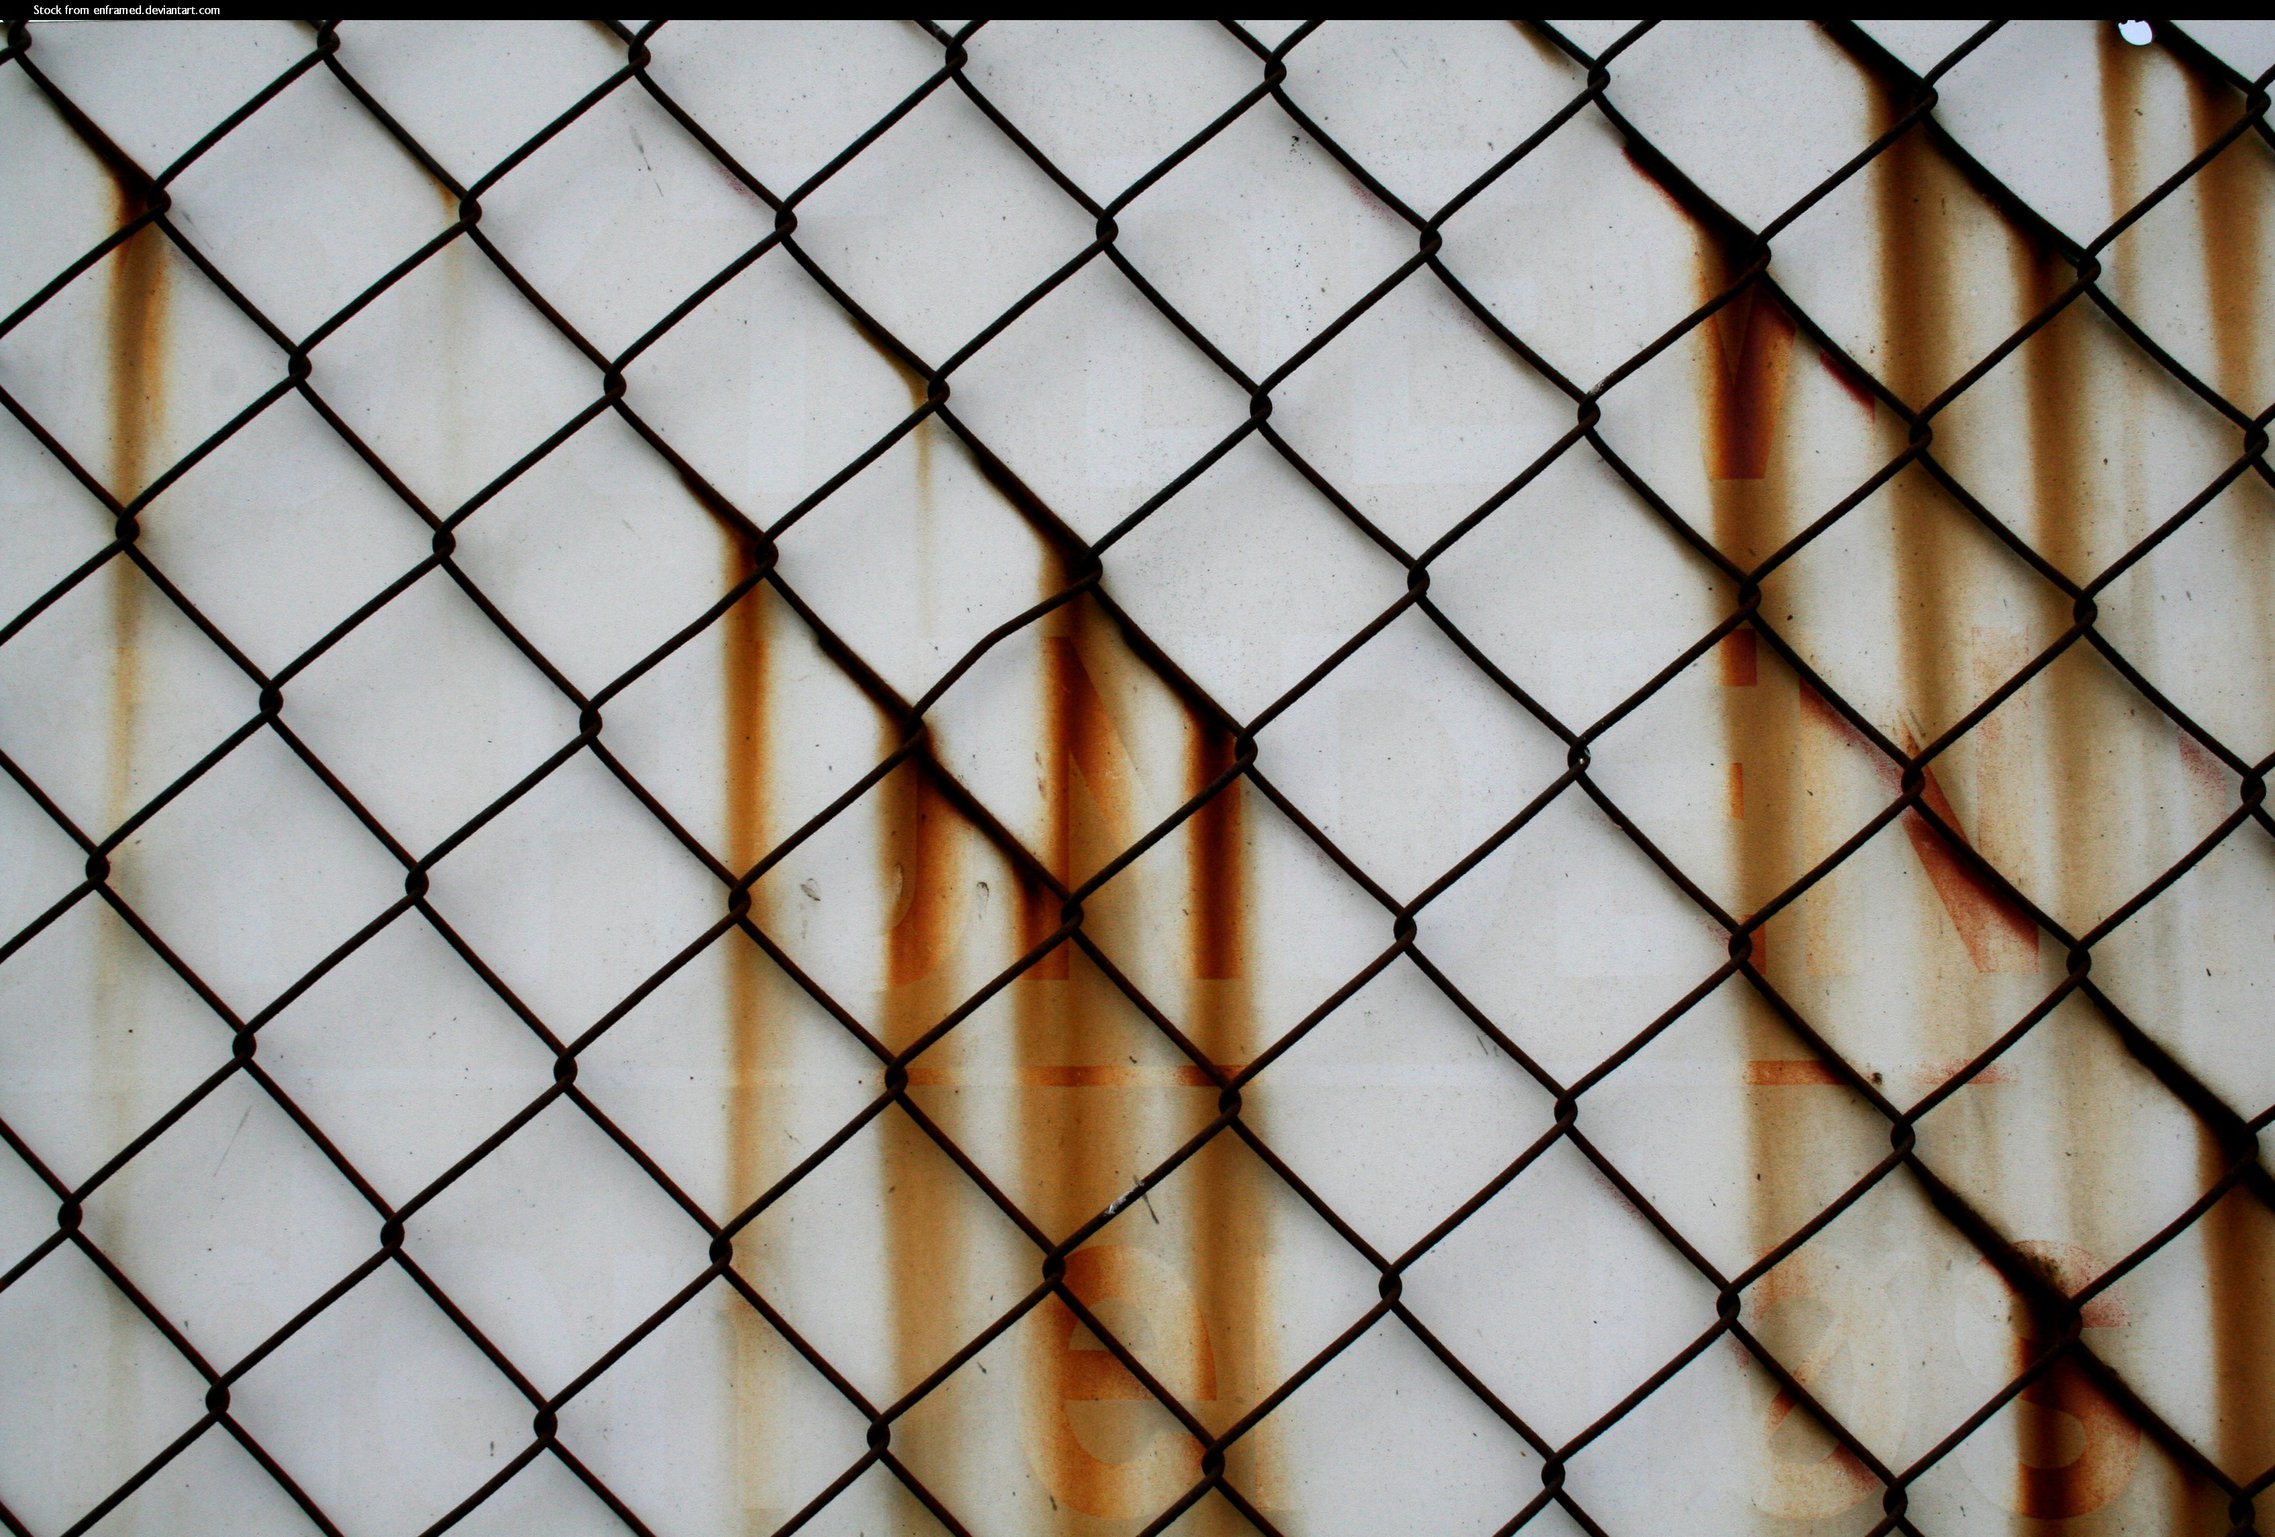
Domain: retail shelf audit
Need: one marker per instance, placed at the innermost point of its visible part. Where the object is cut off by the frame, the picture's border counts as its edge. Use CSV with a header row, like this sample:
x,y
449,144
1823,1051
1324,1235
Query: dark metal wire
x,y
2058,1314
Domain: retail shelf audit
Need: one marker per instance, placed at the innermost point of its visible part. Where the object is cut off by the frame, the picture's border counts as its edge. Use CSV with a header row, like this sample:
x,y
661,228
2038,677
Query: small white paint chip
x,y
2138,33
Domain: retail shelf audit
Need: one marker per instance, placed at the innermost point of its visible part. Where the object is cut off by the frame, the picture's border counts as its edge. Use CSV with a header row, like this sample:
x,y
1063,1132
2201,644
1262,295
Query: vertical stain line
x,y
2230,216
752,1048
1064,1134
2239,1252
1744,360
137,365
926,1247
1231,1228
137,326
1916,292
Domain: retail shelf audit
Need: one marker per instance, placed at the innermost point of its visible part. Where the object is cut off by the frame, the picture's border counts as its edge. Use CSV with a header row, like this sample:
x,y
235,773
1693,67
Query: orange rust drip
x,y
925,1241
1219,933
1231,1229
2239,1262
2055,404
1069,1140
1747,357
743,679
1912,187
2230,214
751,1049
2058,1475
1753,344
137,339
2120,117
2239,1254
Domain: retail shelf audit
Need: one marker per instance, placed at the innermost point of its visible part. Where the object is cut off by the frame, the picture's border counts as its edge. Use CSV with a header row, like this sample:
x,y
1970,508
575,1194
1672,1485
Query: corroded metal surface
x,y
1142,777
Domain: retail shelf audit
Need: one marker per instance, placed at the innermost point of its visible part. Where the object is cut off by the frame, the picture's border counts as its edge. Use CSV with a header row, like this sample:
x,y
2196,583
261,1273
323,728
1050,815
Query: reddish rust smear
x,y
2206,772
1849,380
1998,935
1789,1073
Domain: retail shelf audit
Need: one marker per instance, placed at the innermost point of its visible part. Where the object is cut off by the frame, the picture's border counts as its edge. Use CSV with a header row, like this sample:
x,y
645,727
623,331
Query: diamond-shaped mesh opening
x,y
856,777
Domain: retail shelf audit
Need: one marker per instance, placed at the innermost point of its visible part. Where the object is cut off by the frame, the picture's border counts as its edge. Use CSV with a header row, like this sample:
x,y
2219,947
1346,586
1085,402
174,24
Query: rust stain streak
x,y
925,1241
2239,1264
2229,212
2239,1252
1098,1460
2078,1451
1753,342
137,345
1231,1229
755,1065
1912,187
137,342
1079,1075
1746,357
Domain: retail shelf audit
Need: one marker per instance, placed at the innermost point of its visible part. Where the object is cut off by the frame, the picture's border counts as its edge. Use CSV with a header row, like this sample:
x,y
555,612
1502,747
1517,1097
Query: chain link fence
x,y
1075,1070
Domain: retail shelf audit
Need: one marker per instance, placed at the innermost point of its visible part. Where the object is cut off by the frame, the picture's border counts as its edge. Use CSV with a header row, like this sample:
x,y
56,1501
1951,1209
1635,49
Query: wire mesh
x,y
1061,890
